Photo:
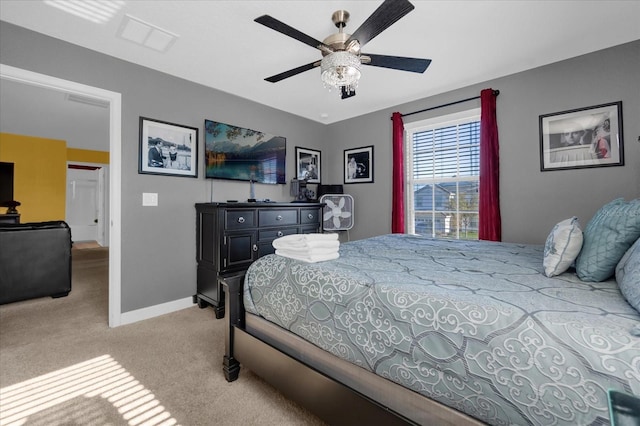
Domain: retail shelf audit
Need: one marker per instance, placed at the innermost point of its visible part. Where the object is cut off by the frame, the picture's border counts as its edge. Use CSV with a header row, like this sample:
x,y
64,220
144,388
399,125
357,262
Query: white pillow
x,y
562,247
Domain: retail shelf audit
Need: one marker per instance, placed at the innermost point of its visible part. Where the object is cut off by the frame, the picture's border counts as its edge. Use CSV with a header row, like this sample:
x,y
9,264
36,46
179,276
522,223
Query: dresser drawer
x,y
310,229
239,219
308,216
273,217
271,234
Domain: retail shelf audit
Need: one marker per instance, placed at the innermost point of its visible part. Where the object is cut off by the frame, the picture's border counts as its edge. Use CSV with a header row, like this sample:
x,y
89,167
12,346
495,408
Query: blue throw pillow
x,y
628,275
607,236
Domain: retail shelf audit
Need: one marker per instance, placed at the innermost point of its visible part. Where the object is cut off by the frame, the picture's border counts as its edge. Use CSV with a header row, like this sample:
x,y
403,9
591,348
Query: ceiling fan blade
x,y
292,72
382,18
398,62
285,29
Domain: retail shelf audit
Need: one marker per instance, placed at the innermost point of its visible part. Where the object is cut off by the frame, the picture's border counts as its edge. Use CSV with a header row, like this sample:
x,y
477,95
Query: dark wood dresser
x,y
231,236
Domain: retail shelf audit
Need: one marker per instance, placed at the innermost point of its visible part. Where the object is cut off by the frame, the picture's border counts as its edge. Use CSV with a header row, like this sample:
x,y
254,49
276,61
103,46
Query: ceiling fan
x,y
341,55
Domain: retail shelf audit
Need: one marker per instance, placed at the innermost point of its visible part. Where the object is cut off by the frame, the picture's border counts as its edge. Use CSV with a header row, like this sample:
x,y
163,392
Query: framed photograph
x,y
168,149
308,165
358,165
581,138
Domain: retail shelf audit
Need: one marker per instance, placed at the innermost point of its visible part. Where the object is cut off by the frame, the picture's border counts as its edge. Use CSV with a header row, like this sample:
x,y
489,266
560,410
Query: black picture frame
x,y
308,165
167,149
238,153
358,165
582,138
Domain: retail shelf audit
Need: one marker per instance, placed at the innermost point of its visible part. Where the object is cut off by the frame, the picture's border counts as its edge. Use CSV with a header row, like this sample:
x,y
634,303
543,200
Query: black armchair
x,y
35,260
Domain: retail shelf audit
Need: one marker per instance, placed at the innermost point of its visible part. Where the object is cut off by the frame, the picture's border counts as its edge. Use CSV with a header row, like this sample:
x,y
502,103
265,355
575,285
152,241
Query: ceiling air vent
x,y
145,34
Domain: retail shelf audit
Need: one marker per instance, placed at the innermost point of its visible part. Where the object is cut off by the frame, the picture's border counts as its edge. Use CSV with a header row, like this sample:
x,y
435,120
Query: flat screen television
x,y
232,152
6,182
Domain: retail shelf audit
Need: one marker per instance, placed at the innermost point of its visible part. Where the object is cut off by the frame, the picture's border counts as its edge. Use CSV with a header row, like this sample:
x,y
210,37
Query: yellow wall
x,y
40,173
87,156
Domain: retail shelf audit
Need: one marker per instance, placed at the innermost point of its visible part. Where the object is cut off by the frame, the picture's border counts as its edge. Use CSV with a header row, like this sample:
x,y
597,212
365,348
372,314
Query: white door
x,y
83,203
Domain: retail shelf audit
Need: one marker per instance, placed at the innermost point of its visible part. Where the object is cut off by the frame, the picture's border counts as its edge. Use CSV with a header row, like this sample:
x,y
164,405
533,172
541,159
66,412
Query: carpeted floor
x,y
60,364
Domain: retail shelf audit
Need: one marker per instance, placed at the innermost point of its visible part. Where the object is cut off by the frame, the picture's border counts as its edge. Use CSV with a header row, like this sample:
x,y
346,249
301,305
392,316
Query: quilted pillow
x,y
628,275
562,247
607,236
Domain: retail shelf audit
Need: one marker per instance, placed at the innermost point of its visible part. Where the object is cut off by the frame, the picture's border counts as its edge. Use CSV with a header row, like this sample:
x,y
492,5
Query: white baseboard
x,y
156,310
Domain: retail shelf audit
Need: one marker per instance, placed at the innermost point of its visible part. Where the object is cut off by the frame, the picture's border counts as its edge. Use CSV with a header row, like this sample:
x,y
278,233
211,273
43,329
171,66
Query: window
x,y
442,163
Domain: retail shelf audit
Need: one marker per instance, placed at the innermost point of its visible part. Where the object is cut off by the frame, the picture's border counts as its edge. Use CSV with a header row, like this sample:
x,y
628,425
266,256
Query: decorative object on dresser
x,y
231,236
300,192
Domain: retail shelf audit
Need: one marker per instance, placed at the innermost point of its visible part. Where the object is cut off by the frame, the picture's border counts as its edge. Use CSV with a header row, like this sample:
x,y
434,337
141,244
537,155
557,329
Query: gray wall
x,y
531,201
158,244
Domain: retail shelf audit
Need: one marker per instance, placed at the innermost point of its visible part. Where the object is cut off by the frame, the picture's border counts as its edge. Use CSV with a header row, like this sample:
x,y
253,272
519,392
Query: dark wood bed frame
x,y
327,397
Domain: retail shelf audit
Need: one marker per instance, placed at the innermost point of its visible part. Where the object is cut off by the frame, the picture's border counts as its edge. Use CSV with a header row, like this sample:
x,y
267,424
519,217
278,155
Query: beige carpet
x,y
60,364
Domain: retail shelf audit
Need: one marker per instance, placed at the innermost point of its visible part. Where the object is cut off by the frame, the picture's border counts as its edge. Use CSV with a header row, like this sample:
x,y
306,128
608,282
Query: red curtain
x,y
397,203
489,209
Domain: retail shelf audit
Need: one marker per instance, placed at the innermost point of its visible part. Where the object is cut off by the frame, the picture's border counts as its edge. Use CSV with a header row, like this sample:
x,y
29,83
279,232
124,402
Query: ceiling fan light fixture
x,y
340,69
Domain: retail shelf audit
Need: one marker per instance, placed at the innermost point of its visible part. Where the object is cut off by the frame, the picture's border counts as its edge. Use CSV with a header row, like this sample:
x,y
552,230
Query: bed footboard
x,y
329,397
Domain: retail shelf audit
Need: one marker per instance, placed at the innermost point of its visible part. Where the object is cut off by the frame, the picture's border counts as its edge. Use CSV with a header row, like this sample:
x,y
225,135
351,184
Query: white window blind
x,y
443,167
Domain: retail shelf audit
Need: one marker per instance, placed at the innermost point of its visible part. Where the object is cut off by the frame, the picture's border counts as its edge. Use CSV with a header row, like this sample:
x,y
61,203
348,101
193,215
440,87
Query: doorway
x,y
115,178
85,202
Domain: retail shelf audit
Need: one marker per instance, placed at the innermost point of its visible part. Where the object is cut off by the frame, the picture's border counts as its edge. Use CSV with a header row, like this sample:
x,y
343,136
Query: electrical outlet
x,y
150,199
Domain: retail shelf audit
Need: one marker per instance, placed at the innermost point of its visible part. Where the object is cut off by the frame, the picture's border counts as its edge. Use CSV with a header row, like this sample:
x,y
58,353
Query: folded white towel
x,y
309,237
308,252
306,241
297,245
309,258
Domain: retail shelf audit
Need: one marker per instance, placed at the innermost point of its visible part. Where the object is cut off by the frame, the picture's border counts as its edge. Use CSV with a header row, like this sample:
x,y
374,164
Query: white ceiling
x,y
220,46
46,113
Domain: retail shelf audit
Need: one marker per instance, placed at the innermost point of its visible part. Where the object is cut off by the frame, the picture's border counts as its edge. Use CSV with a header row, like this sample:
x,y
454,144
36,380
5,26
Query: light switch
x,y
150,199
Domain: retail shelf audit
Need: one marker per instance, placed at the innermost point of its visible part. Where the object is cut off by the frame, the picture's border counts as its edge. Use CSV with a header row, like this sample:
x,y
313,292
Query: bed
x,y
411,330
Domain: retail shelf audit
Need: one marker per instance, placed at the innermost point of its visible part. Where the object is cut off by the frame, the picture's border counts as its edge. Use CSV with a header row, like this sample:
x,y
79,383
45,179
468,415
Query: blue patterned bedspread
x,y
474,325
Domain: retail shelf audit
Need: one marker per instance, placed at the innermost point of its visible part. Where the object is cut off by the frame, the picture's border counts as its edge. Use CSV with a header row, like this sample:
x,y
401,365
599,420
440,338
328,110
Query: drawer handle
x,y
279,217
255,247
280,233
241,219
310,216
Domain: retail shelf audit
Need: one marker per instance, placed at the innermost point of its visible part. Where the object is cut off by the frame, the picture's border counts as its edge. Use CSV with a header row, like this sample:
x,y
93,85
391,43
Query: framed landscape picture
x,y
358,165
167,149
308,165
239,153
581,138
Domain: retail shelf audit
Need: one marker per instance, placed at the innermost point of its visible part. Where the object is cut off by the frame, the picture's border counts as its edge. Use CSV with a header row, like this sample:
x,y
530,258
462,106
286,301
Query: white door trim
x,y
115,179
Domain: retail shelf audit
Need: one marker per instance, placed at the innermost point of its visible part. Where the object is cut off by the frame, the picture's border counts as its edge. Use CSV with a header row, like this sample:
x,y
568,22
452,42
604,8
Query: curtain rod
x,y
495,92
